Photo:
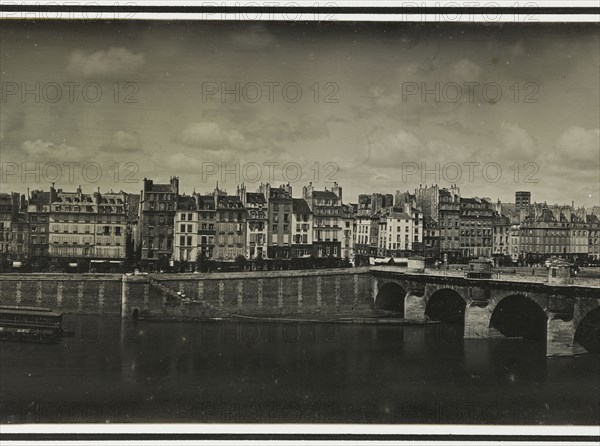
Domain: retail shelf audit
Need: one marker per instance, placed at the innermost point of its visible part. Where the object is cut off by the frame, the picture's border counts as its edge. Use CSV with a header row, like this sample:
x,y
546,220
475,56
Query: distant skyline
x,y
360,108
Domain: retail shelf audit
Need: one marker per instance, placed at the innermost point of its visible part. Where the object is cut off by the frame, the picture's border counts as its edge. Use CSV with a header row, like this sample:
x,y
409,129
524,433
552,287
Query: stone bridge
x,y
565,315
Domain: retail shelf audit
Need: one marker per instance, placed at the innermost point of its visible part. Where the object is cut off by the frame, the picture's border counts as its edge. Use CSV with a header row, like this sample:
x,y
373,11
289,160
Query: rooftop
x,y
300,206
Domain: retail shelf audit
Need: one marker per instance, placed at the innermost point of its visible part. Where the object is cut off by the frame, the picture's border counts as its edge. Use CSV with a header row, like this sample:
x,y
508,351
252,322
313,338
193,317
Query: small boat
x,y
30,324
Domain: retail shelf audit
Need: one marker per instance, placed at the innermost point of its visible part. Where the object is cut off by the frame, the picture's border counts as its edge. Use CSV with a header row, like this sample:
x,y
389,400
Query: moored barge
x,y
30,324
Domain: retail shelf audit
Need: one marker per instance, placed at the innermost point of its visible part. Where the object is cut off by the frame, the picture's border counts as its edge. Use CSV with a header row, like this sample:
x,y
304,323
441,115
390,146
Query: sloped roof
x,y
255,198
207,202
324,194
300,206
186,202
229,202
592,218
546,216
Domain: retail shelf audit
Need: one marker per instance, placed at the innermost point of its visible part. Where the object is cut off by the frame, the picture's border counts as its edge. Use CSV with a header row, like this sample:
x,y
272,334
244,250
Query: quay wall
x,y
69,293
332,291
262,293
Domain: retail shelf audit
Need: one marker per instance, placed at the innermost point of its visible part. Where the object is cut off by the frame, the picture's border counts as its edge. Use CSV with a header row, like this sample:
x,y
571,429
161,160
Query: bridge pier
x,y
414,307
560,335
477,321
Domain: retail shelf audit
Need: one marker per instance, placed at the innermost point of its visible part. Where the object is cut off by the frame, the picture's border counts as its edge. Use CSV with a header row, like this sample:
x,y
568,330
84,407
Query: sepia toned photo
x,y
299,221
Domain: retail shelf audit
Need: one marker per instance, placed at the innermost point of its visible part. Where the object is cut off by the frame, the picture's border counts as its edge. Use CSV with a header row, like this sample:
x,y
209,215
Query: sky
x,y
379,107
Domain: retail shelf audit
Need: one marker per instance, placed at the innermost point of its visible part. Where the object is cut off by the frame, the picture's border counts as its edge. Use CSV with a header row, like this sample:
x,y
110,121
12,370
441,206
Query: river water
x,y
114,370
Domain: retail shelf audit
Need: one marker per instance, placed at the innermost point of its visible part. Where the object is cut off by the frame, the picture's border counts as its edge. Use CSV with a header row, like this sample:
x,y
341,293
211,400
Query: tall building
x,y
363,232
326,206
38,210
185,241
502,236
544,236
207,230
522,199
7,215
578,238
280,205
593,225
427,199
431,238
14,228
404,198
400,235
348,228
257,222
515,237
476,225
158,205
230,227
87,226
449,223
302,228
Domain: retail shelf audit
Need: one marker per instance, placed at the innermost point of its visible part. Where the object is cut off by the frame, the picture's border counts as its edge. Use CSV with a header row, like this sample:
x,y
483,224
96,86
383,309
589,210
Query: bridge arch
x,y
446,305
587,331
517,315
390,297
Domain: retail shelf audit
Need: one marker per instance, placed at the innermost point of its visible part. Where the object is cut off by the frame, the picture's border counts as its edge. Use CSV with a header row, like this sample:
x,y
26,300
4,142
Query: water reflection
x,y
123,370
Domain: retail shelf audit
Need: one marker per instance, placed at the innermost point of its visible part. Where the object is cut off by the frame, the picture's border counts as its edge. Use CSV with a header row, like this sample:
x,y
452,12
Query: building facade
x,y
87,226
257,223
185,241
158,205
476,225
449,223
302,228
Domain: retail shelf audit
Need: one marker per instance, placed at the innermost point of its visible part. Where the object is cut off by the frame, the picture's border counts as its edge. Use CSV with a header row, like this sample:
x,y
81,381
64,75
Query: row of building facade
x,y
162,224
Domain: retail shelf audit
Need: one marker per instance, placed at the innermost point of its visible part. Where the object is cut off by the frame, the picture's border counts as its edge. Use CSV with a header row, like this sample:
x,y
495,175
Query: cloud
x,y
110,63
123,141
210,136
307,128
40,150
10,123
391,149
515,143
578,149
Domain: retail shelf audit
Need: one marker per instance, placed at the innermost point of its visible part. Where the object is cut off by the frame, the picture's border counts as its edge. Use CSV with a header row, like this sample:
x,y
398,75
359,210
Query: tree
x,y
296,263
163,263
202,262
240,261
259,262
